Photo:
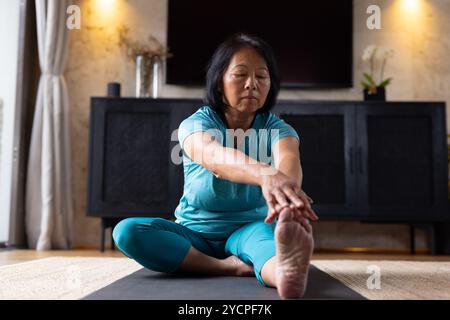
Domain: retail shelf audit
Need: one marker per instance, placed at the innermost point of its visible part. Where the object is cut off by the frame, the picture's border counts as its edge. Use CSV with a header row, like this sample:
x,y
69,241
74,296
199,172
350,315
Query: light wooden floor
x,y
8,257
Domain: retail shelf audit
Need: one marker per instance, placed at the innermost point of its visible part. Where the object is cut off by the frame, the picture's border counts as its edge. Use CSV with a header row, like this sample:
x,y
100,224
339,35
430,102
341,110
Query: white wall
x,y
9,39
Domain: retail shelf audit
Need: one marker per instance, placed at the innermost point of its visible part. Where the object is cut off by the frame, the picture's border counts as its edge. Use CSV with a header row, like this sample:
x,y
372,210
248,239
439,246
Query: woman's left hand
x,y
305,212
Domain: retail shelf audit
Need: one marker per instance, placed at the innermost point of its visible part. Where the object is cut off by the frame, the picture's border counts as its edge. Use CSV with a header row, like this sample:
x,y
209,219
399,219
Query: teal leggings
x,y
161,245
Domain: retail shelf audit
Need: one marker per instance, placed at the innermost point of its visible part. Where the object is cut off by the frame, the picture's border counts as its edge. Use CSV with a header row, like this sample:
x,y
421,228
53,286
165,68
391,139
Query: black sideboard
x,y
383,162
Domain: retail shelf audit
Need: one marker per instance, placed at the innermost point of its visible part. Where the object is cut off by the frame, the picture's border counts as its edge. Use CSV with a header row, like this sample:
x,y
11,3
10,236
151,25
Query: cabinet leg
x,y
432,240
412,239
112,240
102,236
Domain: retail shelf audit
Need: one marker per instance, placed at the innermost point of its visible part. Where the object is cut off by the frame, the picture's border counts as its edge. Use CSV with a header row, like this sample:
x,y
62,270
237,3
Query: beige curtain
x,y
49,209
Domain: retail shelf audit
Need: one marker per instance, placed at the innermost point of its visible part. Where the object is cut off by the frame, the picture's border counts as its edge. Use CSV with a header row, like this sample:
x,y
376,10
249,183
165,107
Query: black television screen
x,y
312,40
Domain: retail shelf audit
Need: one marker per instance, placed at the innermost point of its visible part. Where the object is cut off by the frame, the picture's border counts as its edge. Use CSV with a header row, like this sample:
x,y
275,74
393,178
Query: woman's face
x,y
246,82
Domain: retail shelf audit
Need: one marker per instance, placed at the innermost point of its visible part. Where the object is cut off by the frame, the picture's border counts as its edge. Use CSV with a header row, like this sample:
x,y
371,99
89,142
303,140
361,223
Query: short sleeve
x,y
197,122
278,129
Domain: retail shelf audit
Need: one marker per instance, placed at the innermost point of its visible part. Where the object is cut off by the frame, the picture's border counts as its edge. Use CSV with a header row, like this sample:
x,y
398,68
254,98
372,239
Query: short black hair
x,y
221,59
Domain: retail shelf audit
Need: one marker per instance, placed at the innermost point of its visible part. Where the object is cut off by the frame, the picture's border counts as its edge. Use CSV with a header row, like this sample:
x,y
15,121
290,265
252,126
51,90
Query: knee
x,y
263,229
126,233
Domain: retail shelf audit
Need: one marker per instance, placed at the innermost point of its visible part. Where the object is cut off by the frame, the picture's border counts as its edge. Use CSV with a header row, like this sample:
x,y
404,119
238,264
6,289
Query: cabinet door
x,y
326,145
134,167
401,161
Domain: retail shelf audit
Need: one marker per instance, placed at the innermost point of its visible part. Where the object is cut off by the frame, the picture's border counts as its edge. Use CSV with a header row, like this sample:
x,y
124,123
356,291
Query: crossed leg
x,y
279,258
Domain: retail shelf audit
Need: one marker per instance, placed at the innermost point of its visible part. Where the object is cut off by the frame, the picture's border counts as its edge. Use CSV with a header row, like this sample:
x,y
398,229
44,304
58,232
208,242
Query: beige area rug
x,y
392,280
62,278
76,277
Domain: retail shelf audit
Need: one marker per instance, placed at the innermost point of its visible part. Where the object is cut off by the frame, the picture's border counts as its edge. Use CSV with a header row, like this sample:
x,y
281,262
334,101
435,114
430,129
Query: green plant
x,y
133,48
374,55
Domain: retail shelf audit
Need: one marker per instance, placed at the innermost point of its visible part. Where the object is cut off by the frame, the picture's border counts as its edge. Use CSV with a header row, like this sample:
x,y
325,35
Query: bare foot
x,y
239,268
294,245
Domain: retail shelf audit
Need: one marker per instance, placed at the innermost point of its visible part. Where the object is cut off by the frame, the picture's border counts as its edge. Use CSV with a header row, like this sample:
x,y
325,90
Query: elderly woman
x,y
239,214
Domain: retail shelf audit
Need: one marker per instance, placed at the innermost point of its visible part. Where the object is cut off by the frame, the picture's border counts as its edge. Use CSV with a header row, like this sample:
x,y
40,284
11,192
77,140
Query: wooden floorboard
x,y
8,257
17,256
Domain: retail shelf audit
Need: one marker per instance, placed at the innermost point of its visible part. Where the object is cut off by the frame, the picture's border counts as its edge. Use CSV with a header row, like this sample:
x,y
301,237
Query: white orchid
x,y
372,53
369,52
384,53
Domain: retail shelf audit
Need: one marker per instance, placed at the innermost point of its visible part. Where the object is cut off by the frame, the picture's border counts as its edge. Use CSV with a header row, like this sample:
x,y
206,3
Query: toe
x,y
285,215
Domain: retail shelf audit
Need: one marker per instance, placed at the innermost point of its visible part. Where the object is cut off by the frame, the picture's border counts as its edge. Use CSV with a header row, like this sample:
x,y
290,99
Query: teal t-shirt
x,y
216,207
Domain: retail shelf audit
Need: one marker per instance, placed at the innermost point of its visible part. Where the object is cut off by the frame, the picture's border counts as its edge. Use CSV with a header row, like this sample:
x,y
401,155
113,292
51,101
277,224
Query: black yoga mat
x,y
149,285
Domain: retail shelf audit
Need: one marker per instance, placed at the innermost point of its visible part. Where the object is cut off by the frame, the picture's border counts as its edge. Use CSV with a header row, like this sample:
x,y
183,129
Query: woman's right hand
x,y
281,191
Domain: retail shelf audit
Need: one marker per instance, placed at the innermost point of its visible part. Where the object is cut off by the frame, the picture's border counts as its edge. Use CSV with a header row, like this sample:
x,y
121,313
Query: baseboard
x,y
423,251
89,247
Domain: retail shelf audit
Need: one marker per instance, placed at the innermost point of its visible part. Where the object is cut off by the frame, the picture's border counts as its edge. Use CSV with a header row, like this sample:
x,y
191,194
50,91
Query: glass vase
x,y
156,76
143,76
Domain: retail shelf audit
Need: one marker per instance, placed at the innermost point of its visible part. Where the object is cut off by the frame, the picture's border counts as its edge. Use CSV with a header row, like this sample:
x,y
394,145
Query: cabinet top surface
x,y
279,101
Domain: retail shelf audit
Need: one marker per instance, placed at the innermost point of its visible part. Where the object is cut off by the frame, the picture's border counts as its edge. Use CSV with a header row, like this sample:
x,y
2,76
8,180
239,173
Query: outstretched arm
x,y
225,163
230,164
286,155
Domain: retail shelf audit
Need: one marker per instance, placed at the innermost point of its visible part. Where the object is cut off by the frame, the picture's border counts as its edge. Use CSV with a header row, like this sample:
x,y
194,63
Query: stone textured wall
x,y
420,69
